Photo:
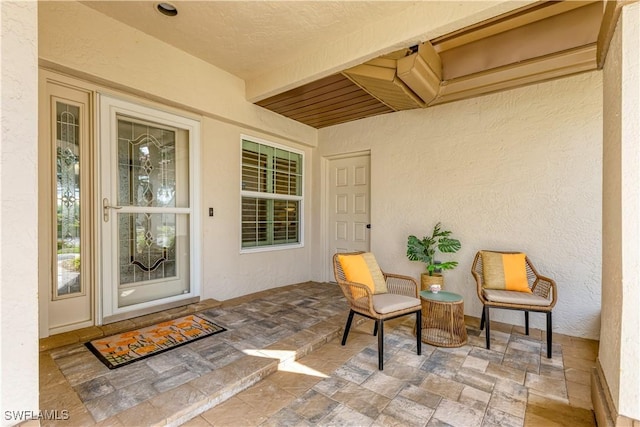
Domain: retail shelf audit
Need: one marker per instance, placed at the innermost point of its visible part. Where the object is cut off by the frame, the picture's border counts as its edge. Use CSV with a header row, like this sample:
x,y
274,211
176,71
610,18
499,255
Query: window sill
x,y
271,248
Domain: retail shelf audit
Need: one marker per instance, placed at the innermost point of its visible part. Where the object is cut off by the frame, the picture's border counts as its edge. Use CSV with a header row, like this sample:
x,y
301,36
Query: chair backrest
x,y
352,294
538,287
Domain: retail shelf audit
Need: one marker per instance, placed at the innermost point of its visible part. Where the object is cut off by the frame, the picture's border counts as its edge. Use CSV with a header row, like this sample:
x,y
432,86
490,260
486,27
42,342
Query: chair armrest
x,y
545,285
479,285
358,296
402,285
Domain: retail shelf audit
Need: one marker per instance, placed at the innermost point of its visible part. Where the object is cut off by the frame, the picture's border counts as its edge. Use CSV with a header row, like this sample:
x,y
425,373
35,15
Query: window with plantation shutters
x,y
271,192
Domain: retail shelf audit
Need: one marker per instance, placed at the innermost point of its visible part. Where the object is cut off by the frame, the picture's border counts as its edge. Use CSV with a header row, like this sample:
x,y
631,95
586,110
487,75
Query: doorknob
x,y
368,225
105,209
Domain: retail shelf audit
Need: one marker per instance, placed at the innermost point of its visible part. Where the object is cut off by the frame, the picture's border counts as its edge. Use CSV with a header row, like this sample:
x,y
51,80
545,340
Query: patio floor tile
x,y
280,363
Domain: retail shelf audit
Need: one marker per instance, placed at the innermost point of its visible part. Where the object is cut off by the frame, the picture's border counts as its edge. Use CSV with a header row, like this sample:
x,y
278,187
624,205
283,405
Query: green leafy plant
x,y
424,250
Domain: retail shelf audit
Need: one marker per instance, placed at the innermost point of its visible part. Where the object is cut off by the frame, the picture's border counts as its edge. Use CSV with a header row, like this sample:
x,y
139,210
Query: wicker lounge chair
x,y
400,300
542,298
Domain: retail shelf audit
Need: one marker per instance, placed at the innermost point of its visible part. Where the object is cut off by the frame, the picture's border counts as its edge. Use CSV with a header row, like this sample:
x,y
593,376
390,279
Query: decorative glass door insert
x,y
148,230
67,162
151,177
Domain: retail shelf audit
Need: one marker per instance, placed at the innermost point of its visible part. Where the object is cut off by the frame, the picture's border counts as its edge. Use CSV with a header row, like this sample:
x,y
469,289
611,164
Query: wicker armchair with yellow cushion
x,y
376,295
509,280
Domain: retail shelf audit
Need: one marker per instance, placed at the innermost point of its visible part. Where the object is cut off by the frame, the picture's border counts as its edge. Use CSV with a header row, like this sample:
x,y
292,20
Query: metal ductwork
x,y
402,80
422,72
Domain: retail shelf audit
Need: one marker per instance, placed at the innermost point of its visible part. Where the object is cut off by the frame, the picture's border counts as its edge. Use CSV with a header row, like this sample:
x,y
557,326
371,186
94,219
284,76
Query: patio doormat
x,y
128,347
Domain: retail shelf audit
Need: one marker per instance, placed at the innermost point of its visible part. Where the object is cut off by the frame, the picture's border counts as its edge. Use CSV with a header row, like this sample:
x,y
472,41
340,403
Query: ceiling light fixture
x,y
167,9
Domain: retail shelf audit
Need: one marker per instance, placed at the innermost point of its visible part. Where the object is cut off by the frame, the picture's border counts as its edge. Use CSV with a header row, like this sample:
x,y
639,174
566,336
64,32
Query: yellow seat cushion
x,y
506,272
363,268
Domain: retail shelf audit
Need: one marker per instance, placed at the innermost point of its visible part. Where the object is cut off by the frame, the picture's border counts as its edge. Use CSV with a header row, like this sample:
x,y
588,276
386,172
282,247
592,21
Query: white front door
x,y
148,206
349,206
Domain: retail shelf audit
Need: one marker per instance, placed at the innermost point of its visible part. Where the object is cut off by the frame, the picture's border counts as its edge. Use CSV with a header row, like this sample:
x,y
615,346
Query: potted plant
x,y
424,250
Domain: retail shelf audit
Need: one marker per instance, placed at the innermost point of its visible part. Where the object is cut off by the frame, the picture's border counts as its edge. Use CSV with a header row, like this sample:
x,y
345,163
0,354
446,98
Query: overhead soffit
x,y
244,37
325,102
541,42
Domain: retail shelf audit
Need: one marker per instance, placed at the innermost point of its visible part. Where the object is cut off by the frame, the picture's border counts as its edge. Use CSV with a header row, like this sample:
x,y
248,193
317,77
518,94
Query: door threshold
x,y
147,311
92,332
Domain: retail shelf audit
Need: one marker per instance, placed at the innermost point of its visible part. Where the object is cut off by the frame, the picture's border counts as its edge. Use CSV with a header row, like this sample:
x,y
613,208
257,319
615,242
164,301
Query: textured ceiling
x,y
247,37
305,59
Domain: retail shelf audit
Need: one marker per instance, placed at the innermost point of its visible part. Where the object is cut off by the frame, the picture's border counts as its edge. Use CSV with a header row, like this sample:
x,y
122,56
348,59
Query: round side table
x,y
443,319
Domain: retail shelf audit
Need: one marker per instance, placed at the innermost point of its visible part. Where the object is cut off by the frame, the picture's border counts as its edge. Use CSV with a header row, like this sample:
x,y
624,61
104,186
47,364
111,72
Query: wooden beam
x,y
500,24
612,11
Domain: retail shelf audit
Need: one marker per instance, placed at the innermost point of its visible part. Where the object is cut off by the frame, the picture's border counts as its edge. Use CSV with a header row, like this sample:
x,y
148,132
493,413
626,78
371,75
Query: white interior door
x,y
148,202
349,205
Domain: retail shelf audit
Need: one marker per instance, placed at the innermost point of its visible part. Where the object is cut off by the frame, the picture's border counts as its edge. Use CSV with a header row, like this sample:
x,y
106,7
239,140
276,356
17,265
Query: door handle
x,y
105,209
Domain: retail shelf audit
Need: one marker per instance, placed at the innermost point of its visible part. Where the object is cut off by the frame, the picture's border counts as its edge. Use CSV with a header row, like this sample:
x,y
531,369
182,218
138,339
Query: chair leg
x,y
482,319
549,335
487,322
380,324
419,331
526,323
346,328
375,329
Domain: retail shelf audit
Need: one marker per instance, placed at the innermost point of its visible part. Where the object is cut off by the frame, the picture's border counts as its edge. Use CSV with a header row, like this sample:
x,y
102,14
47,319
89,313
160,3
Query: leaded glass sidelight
x,y
68,199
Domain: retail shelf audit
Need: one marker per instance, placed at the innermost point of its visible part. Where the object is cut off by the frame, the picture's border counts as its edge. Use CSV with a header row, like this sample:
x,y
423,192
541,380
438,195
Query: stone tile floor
x,y
281,364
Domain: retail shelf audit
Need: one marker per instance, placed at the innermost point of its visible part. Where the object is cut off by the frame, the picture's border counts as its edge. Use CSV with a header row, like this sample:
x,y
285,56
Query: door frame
x,y
46,217
325,163
45,75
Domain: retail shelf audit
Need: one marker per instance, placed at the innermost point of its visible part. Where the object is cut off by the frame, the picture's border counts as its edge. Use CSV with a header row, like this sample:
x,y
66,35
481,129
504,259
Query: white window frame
x,y
273,196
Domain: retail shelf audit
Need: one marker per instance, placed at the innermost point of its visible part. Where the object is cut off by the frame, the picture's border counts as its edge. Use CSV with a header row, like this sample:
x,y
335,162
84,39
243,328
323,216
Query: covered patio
x,y
548,166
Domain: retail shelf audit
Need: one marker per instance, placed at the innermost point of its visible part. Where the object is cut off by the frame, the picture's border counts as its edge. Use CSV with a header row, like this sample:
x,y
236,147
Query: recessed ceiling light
x,y
167,9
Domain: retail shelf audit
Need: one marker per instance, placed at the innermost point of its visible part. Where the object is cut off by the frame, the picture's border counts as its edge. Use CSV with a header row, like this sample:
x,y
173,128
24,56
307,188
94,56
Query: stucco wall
x,y
619,346
227,273
109,53
518,170
18,210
